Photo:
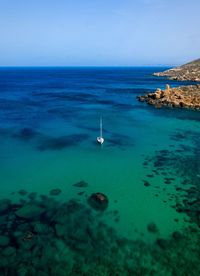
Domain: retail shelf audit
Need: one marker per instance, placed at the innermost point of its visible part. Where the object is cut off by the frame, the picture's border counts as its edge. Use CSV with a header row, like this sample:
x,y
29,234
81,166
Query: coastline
x,y
180,97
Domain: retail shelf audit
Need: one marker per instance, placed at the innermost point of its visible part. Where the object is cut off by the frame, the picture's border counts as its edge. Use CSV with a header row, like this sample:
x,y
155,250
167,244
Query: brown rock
x,y
182,97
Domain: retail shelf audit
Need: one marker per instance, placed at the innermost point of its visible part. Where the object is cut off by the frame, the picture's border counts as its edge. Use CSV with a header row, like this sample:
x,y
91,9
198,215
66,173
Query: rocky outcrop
x,y
186,72
183,97
98,201
29,211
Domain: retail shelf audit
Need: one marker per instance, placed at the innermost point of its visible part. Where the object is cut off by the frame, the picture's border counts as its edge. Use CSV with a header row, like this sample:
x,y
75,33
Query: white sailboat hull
x,y
100,140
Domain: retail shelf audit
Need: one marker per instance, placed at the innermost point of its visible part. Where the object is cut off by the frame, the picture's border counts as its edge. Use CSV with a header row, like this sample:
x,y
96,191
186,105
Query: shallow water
x,y
49,120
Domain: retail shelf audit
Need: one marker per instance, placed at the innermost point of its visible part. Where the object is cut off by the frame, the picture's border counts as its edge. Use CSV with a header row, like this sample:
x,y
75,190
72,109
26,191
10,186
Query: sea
x,y
49,122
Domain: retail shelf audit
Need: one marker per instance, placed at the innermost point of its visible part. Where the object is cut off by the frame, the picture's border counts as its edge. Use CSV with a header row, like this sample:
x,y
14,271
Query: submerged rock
x,y
32,195
98,201
73,240
28,236
176,235
55,192
3,220
146,183
81,184
29,211
151,227
60,230
80,193
150,175
25,134
22,192
4,240
40,228
4,205
9,251
163,244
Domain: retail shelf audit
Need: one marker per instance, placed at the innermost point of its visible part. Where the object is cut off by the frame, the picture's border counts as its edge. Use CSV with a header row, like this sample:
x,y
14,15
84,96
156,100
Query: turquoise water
x,y
49,120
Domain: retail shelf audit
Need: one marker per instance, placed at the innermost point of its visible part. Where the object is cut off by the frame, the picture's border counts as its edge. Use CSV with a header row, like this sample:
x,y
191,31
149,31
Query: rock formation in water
x,y
183,96
186,72
98,201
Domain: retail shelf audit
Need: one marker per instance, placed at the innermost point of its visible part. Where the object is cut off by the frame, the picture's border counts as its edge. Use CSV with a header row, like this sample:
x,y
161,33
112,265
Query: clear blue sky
x,y
99,32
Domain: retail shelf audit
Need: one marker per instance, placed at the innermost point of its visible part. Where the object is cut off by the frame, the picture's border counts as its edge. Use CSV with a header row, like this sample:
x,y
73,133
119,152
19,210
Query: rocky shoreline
x,y
181,97
187,72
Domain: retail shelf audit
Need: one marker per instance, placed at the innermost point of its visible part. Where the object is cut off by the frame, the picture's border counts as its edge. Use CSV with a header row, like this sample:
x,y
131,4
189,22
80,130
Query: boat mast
x,y
101,127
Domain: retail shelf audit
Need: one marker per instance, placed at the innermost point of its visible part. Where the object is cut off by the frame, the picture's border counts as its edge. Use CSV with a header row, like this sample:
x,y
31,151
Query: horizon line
x,y
84,66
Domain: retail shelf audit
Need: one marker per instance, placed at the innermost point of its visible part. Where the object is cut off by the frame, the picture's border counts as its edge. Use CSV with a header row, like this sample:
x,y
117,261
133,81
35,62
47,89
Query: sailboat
x,y
100,139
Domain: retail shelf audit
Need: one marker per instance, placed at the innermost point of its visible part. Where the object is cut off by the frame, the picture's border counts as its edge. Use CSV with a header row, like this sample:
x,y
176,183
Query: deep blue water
x,y
29,96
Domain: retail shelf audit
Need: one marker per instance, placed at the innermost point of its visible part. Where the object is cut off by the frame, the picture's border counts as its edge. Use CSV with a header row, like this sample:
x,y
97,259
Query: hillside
x,y
186,72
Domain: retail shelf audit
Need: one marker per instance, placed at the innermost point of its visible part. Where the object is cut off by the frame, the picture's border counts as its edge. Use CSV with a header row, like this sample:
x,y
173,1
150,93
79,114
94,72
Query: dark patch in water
x,y
63,112
81,184
123,106
62,142
186,167
107,102
25,134
92,129
55,192
22,192
152,228
67,96
119,140
177,136
146,183
81,193
150,175
175,113
32,195
185,147
125,91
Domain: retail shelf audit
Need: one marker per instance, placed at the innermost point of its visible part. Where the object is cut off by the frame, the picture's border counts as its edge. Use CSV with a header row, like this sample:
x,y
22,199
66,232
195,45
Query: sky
x,y
99,32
